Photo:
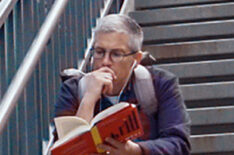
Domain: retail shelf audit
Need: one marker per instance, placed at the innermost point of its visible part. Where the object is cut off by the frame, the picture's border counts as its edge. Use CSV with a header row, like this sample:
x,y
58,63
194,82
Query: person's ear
x,y
138,56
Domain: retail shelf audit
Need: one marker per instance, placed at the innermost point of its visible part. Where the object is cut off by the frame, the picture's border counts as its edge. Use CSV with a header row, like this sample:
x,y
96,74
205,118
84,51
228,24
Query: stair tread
x,y
191,49
201,68
207,91
208,116
184,14
186,32
212,143
139,4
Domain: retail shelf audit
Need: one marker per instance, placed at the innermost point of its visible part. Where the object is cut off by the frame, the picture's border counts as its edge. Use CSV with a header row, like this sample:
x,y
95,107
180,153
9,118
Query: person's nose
x,y
106,59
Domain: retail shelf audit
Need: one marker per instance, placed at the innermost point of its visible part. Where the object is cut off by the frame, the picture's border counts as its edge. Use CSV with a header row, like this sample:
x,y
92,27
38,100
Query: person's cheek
x,y
96,65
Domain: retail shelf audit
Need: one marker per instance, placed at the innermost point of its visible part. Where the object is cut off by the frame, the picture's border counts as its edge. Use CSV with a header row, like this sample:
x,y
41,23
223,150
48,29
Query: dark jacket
x,y
166,132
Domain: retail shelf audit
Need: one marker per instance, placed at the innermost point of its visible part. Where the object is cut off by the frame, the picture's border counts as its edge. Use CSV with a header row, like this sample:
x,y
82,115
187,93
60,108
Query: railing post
x,y
24,72
6,7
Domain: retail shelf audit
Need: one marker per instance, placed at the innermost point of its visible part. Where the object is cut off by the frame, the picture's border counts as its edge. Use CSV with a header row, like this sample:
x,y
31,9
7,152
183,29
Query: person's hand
x,y
92,85
118,148
99,82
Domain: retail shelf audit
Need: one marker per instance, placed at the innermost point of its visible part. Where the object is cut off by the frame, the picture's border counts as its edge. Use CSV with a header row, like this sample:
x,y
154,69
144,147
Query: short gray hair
x,y
122,24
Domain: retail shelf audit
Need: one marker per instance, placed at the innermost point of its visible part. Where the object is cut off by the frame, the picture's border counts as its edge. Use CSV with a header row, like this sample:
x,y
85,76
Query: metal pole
x,y
28,65
127,6
87,51
6,7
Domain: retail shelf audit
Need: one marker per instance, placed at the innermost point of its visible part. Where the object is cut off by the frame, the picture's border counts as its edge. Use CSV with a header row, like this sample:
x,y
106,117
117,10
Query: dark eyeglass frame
x,y
122,55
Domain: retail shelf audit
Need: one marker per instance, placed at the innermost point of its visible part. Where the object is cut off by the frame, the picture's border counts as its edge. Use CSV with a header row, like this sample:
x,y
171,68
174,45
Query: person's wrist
x,y
138,150
91,97
142,150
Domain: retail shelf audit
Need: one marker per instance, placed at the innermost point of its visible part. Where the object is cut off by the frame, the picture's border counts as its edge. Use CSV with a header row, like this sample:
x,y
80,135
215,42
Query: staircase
x,y
195,40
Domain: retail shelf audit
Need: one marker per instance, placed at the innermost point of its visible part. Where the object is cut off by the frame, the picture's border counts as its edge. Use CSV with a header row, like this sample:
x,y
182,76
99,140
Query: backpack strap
x,y
72,72
144,90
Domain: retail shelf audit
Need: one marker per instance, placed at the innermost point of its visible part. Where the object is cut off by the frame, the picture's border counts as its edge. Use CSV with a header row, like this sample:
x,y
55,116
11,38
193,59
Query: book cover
x,y
76,136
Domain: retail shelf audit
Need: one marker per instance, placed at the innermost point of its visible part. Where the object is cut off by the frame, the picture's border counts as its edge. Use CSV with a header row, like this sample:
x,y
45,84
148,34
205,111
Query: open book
x,y
76,136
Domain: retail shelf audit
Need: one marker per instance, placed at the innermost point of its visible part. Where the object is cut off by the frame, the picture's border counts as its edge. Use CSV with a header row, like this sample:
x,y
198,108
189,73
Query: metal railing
x,y
18,84
90,44
29,120
28,65
6,7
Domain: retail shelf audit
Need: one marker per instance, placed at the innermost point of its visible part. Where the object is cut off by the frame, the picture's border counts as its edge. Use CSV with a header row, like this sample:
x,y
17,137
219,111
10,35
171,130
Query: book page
x,y
75,132
66,124
109,111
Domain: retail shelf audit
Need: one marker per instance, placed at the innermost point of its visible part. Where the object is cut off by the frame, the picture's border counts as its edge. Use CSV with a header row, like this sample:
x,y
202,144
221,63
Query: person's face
x,y
115,42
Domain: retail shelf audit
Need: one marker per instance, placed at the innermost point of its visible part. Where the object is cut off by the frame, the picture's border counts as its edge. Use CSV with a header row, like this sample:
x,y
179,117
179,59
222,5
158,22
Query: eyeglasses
x,y
116,55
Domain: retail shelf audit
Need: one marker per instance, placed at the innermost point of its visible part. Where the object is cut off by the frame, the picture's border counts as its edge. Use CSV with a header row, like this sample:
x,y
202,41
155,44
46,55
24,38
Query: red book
x,y
78,137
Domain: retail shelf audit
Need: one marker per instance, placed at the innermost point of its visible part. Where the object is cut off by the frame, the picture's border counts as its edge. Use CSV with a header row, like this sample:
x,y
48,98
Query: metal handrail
x,y
6,7
51,140
28,65
90,44
127,6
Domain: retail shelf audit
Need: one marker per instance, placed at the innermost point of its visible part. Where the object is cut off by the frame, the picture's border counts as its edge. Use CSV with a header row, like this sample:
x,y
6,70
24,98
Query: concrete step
x,y
208,94
213,143
202,71
207,91
192,51
147,4
208,116
184,14
189,32
212,119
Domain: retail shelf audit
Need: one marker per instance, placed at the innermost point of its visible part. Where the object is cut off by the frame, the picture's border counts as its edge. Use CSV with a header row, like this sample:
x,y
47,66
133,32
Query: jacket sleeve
x,y
67,100
173,120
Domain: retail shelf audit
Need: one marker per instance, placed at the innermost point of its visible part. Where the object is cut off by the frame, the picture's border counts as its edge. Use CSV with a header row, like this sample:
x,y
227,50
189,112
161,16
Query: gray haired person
x,y
117,47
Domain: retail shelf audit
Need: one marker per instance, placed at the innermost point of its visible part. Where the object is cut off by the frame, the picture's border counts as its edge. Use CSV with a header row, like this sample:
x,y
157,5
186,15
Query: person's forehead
x,y
113,40
99,35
